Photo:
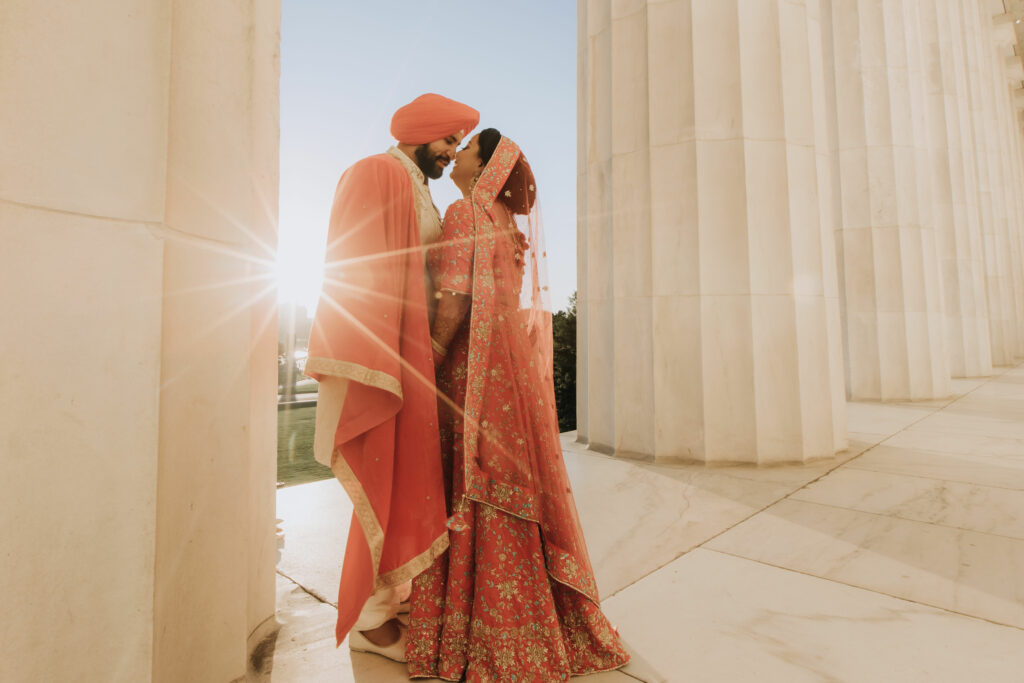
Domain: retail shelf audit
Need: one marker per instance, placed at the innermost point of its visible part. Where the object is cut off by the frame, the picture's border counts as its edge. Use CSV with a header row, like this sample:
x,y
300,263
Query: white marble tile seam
x,y
989,471
858,586
712,616
666,470
311,591
869,438
962,571
993,462
929,500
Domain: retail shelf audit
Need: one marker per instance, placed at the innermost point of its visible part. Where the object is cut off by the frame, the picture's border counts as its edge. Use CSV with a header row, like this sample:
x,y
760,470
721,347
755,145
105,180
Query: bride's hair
x,y
519,191
487,143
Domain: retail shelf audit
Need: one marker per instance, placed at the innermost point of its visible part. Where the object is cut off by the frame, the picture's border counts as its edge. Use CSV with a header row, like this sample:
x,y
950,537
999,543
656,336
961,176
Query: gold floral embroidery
x,y
524,628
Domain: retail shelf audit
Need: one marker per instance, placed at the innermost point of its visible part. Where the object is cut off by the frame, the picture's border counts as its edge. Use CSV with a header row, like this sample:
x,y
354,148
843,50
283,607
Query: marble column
x,y
999,287
955,208
821,42
707,331
1006,69
138,192
893,303
956,51
1015,142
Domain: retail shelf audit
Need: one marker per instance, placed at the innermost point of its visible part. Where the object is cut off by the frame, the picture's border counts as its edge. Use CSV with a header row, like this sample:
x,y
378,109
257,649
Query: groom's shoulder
x,y
383,165
380,170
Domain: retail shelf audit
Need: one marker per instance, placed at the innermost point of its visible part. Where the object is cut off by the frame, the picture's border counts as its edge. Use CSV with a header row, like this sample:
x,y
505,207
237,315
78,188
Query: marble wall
x,y
138,195
783,204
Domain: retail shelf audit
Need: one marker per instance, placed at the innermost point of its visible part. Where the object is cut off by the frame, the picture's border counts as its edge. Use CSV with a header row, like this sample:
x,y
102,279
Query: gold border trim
x,y
414,566
354,372
375,533
488,503
361,504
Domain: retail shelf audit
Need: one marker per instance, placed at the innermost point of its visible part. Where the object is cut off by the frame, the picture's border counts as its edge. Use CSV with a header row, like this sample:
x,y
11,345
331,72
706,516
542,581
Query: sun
x,y
298,279
299,269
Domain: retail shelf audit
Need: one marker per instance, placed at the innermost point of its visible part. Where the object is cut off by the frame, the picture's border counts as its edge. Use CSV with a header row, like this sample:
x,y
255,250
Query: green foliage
x,y
295,463
564,330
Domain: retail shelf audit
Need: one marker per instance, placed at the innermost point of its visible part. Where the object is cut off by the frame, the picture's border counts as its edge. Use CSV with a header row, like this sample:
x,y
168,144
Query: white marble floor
x,y
902,559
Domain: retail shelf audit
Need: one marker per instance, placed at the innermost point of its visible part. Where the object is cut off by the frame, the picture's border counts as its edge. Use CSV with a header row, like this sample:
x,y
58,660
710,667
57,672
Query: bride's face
x,y
467,161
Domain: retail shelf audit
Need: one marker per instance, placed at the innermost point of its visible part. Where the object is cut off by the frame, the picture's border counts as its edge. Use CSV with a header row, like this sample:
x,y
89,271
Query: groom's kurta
x,y
371,328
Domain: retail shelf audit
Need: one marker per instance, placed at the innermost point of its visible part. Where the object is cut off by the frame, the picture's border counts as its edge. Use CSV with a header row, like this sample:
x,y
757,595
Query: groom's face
x,y
433,157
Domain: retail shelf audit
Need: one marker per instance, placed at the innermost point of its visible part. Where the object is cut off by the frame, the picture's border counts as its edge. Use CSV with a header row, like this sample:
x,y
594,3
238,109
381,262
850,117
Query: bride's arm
x,y
451,310
454,276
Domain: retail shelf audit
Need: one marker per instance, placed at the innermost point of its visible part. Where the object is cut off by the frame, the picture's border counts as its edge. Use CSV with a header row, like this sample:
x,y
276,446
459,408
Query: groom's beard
x,y
427,162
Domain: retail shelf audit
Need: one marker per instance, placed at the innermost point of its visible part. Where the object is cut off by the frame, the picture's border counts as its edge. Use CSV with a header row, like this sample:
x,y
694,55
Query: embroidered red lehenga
x,y
514,597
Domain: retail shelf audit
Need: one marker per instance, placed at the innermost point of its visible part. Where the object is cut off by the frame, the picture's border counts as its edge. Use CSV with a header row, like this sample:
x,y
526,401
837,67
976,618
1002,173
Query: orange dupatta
x,y
371,328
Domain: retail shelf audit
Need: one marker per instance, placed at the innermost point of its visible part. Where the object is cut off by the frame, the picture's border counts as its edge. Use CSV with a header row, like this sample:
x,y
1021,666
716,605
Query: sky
x,y
347,65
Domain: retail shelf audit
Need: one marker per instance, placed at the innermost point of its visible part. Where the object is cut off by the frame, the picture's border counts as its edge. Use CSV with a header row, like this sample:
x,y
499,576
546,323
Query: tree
x,y
563,325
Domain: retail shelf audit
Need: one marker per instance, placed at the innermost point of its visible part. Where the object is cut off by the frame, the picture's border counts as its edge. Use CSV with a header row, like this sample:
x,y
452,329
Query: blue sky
x,y
347,65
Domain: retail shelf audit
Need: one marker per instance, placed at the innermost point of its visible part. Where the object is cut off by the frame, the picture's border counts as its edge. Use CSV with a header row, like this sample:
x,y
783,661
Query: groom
x,y
376,422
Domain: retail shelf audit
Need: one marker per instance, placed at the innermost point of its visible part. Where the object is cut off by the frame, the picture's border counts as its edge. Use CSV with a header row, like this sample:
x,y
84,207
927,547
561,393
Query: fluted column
x,y
956,223
1002,62
1016,162
893,302
826,142
907,20
707,322
998,277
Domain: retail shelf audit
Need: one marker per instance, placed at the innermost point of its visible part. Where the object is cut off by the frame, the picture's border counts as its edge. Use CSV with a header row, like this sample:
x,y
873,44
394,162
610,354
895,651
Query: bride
x,y
514,597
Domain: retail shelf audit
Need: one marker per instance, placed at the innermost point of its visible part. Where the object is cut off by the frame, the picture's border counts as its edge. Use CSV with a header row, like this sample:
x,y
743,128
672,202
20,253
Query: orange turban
x,y
432,117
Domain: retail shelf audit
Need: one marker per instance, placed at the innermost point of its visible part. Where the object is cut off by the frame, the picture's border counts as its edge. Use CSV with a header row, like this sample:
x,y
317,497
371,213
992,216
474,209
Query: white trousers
x,y
382,606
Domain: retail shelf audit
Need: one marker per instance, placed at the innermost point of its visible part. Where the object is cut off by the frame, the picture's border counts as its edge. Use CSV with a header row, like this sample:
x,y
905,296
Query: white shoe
x,y
357,642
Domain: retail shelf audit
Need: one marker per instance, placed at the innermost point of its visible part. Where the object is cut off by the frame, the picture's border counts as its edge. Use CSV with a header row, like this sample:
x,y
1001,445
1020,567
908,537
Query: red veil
x,y
513,457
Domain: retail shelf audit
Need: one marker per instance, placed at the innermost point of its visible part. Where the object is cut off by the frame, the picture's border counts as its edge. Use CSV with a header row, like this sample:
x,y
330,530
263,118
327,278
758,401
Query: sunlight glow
x,y
299,268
